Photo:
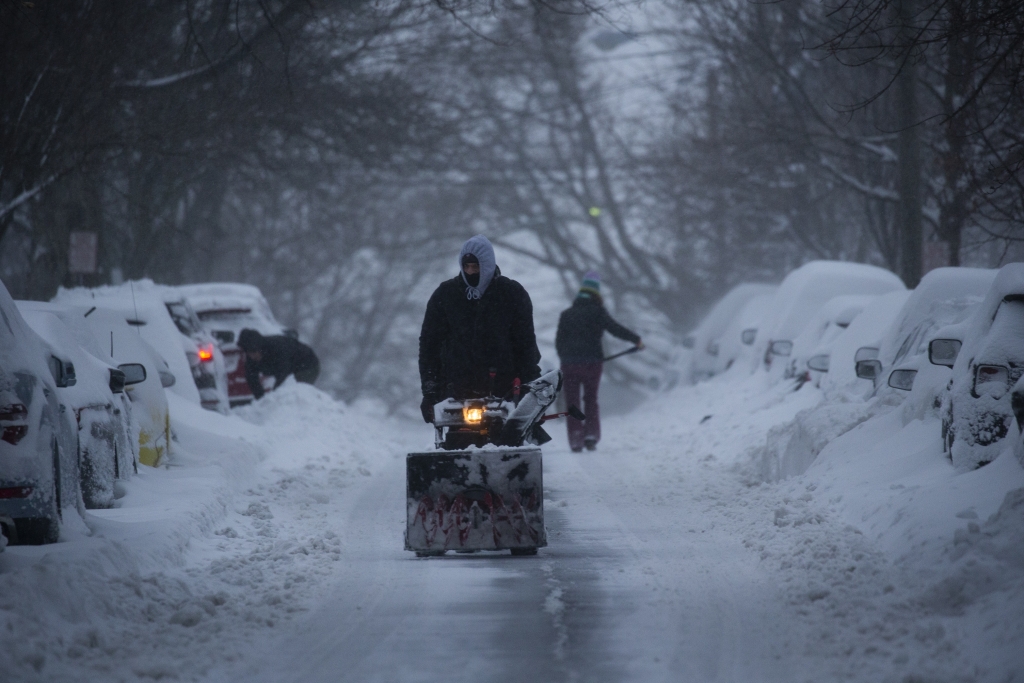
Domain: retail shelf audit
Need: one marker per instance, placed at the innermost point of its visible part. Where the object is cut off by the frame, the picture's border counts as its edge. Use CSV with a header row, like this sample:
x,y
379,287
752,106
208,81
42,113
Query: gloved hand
x,y
427,407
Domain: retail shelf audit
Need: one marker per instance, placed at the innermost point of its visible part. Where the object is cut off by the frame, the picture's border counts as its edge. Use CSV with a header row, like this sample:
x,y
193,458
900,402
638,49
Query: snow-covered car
x,y
824,327
206,360
976,406
125,345
39,475
735,341
945,296
144,306
803,292
107,451
225,309
836,362
704,340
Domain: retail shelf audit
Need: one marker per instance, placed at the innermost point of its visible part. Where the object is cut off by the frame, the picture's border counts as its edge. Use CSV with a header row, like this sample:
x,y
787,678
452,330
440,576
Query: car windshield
x,y
184,318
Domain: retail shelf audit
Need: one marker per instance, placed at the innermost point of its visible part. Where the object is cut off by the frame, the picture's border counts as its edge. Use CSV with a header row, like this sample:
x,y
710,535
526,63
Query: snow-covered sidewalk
x,y
271,549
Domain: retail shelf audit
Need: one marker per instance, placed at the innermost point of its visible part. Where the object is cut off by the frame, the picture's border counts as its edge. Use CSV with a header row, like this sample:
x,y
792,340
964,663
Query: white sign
x,y
82,252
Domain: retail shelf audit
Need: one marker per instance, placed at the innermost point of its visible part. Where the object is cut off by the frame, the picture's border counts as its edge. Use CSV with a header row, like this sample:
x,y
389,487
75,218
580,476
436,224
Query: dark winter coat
x,y
580,327
463,338
282,356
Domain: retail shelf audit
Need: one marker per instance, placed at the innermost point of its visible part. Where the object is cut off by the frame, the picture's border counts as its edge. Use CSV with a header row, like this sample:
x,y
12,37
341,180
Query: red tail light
x,y
206,353
14,434
15,492
15,412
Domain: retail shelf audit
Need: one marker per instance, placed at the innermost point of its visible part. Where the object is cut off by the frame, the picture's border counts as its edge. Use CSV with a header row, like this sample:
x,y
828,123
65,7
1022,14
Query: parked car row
x,y
82,389
955,344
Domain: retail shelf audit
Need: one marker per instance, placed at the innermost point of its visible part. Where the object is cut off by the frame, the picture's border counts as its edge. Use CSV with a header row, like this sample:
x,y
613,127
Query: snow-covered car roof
x,y
836,315
143,306
718,319
806,289
19,344
92,375
1008,282
730,343
867,330
231,305
945,296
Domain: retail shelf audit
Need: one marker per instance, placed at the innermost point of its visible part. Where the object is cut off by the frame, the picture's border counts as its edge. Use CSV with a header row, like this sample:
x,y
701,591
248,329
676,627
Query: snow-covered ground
x,y
729,531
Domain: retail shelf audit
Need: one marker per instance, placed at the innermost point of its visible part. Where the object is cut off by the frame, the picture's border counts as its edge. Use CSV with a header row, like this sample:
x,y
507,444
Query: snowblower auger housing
x,y
482,489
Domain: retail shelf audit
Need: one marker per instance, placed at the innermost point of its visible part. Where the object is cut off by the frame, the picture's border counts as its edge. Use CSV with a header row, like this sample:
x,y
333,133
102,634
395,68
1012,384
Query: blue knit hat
x,y
591,283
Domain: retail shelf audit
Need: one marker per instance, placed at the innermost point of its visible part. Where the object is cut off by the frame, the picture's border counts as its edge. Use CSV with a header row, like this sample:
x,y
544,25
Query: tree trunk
x,y
911,219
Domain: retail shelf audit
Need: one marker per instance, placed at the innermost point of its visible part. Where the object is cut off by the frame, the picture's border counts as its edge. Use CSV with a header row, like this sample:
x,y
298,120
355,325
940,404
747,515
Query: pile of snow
x,y
221,543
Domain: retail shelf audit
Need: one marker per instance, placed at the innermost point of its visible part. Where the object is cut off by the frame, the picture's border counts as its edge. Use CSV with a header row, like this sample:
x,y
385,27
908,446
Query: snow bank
x,y
805,290
191,554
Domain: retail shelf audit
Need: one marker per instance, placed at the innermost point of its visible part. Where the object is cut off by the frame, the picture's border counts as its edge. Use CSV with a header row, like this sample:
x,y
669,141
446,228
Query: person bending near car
x,y
477,324
276,356
578,342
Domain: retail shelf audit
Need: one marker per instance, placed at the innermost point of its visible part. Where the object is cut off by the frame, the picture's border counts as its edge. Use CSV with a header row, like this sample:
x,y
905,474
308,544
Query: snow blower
x,y
482,488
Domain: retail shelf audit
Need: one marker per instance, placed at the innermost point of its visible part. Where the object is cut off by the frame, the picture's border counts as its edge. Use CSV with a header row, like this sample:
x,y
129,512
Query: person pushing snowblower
x,y
485,395
477,336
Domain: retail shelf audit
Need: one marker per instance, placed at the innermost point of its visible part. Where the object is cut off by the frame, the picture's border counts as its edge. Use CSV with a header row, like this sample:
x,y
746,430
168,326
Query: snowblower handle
x,y
573,412
621,353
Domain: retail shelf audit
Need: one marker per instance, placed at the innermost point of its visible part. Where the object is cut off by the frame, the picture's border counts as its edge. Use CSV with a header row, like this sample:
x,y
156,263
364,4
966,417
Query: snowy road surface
x,y
609,600
272,551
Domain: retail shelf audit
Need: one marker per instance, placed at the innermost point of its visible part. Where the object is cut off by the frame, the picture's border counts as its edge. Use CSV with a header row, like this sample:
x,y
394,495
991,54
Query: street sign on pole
x,y
82,252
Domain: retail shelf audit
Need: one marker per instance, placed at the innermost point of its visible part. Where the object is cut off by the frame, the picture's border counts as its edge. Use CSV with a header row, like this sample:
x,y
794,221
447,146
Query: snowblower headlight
x,y
473,414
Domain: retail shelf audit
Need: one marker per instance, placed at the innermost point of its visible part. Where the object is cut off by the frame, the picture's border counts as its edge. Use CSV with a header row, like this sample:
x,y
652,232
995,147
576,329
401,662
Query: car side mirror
x,y
63,372
689,342
748,335
944,351
819,363
167,379
781,347
865,353
902,379
869,369
133,373
116,381
291,332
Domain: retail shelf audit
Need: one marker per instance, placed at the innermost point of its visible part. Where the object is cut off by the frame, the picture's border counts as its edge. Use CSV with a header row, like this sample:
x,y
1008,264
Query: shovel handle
x,y
621,353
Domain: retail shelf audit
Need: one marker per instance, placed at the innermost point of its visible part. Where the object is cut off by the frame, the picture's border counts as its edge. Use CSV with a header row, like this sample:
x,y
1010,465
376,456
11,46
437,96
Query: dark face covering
x,y
474,279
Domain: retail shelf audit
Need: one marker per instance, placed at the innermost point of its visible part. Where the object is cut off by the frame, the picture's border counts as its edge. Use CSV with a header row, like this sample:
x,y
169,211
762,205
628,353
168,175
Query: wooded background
x,y
335,153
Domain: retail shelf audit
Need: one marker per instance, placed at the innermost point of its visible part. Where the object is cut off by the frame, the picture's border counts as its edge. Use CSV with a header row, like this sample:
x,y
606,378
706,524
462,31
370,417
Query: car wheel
x,y
523,552
97,480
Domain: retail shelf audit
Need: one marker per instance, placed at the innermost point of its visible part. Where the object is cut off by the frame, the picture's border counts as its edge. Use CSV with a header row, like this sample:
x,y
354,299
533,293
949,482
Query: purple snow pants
x,y
585,376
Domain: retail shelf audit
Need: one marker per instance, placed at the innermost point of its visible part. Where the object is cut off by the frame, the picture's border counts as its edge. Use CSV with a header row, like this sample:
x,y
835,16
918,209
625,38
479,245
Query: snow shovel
x,y
621,353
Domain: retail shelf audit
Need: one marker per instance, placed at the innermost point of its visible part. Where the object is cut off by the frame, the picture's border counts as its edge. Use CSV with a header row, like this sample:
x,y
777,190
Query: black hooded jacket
x,y
282,356
580,327
463,338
